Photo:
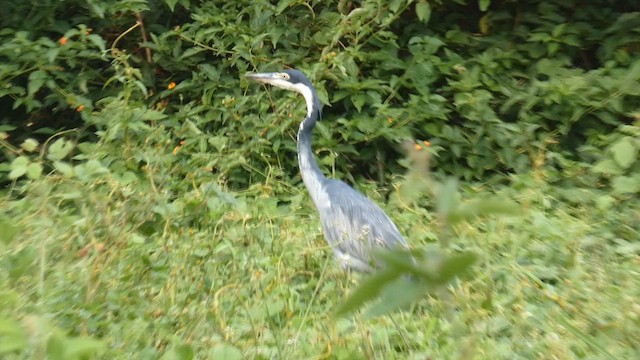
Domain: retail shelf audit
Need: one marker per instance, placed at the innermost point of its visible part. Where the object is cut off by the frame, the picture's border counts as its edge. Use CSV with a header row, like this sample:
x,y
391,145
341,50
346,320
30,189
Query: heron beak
x,y
266,78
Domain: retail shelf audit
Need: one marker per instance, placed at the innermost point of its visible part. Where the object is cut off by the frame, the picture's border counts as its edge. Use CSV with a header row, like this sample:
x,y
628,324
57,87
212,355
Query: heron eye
x,y
284,76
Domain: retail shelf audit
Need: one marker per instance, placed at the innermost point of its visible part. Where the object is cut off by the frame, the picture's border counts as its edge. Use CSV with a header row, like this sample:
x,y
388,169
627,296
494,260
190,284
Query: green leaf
x,y
64,168
82,347
12,344
95,167
447,200
191,52
457,265
626,184
484,4
97,7
226,352
18,167
98,41
588,340
544,37
628,248
29,145
368,290
10,328
8,231
607,167
423,10
282,5
210,71
397,295
171,4
56,345
59,149
484,207
34,170
400,261
358,101
558,30
180,352
36,80
624,152
153,115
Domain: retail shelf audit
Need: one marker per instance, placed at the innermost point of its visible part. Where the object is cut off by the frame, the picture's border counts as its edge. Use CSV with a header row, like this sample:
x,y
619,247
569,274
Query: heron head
x,y
287,79
293,80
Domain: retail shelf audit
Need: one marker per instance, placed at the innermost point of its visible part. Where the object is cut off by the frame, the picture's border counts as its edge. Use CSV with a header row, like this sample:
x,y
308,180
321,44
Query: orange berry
x,y
418,147
63,41
80,108
171,85
426,143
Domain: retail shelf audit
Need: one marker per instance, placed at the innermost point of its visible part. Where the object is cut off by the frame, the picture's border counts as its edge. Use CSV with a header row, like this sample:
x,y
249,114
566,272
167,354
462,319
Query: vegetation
x,y
152,206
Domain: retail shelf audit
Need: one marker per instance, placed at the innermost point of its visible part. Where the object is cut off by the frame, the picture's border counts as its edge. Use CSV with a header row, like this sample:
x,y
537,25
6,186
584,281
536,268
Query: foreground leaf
x,y
368,290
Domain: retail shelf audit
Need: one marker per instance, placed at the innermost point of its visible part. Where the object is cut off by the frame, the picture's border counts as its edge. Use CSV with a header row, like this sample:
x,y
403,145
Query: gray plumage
x,y
352,224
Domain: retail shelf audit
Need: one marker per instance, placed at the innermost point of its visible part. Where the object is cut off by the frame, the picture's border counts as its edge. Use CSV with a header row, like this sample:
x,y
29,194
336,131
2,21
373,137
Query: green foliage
x,y
620,163
151,204
43,340
431,270
535,78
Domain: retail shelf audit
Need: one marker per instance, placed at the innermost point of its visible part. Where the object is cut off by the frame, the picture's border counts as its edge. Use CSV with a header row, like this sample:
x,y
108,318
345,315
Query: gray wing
x,y
353,225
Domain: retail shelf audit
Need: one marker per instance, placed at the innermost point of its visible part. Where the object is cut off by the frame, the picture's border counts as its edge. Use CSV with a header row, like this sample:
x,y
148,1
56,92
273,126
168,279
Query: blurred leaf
x,y
368,290
180,352
34,170
485,207
457,265
36,80
624,152
423,11
226,352
82,347
10,328
397,295
401,282
626,184
607,166
8,230
628,248
56,346
64,168
98,41
19,167
59,149
283,5
447,199
153,115
274,306
11,344
484,4
29,145
171,4
585,338
483,24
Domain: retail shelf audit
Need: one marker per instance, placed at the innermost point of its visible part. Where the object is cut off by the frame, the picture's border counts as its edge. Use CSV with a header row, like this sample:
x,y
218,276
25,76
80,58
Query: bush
x,y
151,196
492,89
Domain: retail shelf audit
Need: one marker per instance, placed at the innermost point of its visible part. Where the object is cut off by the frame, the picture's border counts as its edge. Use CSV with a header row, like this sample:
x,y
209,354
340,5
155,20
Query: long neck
x,y
311,174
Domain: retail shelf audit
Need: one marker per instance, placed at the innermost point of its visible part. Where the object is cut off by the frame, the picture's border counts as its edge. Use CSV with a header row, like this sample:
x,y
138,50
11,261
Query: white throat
x,y
299,88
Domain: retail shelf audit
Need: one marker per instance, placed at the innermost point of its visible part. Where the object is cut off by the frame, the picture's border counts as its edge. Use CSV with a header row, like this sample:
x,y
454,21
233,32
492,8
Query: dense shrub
x,y
151,198
493,89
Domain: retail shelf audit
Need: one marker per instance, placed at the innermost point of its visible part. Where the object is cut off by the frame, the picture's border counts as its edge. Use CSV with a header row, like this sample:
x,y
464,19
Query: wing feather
x,y
353,225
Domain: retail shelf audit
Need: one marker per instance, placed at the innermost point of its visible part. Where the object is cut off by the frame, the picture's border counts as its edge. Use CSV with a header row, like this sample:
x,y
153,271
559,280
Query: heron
x,y
352,224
